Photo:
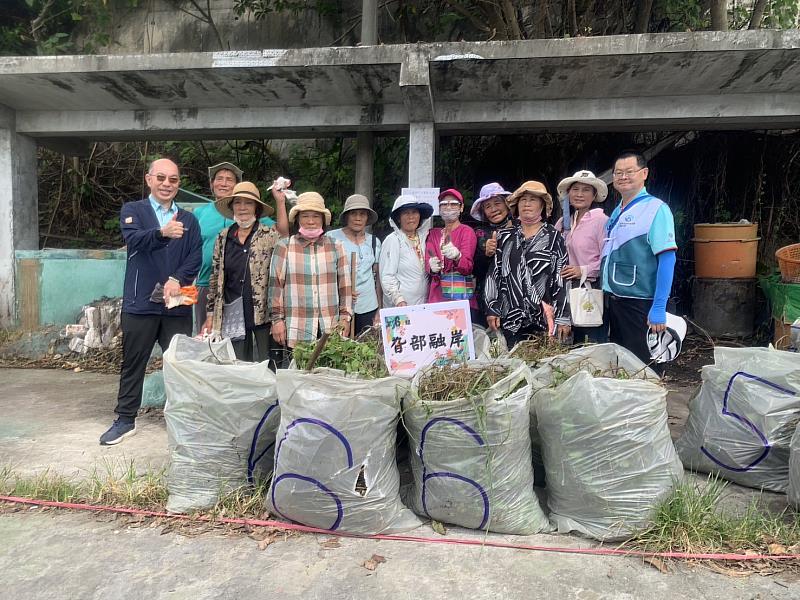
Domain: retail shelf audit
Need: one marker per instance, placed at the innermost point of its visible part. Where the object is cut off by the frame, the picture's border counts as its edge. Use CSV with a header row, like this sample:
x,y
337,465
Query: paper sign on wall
x,y
427,195
416,336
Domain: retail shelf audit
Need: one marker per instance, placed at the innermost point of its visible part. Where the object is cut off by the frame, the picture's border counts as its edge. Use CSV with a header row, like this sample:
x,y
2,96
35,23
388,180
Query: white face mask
x,y
245,224
449,214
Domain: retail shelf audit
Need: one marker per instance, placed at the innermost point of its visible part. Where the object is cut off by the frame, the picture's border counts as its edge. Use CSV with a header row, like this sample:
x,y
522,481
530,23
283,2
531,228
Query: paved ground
x,y
52,419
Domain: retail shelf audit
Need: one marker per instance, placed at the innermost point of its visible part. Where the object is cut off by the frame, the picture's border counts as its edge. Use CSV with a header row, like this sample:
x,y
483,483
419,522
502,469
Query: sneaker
x,y
118,432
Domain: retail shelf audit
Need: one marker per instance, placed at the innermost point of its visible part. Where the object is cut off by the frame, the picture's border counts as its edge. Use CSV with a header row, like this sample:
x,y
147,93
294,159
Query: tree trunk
x,y
719,15
757,14
643,16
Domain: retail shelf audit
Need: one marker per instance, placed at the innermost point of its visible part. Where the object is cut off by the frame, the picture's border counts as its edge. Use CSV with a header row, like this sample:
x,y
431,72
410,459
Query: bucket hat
x,y
358,202
536,188
425,209
588,178
490,190
213,170
243,189
310,201
665,345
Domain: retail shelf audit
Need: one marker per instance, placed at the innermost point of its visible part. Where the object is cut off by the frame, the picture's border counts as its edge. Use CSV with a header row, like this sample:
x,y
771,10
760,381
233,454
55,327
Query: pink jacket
x,y
463,237
585,241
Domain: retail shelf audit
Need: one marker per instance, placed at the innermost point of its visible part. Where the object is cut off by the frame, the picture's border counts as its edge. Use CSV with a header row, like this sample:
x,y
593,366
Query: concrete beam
x,y
421,154
219,123
19,216
742,111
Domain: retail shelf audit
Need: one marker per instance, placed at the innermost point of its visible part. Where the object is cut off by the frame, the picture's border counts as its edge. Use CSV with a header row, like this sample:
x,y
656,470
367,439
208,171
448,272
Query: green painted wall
x,y
70,279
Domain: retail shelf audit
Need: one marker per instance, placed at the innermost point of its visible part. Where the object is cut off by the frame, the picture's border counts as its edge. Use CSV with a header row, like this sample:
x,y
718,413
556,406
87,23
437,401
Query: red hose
x,y
404,538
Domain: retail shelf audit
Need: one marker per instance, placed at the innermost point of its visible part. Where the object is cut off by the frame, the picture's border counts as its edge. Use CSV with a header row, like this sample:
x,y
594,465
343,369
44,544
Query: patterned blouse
x,y
525,274
262,242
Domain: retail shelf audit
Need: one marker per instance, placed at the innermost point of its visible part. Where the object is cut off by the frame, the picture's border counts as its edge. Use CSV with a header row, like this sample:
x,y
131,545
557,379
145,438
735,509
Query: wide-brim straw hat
x,y
213,170
588,178
534,188
310,201
358,202
244,189
490,190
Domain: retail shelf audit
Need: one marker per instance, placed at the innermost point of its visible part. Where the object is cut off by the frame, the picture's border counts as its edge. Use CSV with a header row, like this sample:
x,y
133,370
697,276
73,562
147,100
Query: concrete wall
x,y
53,285
158,26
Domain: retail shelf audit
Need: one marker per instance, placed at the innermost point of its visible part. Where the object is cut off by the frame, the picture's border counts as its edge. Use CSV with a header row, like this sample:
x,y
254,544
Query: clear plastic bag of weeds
x,y
221,416
607,360
793,490
607,451
742,420
335,465
471,456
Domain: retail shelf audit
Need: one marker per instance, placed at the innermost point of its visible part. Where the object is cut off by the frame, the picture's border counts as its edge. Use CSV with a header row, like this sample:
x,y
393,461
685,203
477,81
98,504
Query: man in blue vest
x,y
638,259
163,245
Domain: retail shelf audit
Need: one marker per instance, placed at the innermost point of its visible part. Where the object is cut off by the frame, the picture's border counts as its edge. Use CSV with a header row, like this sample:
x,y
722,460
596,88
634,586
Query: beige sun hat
x,y
213,170
588,178
310,201
536,188
358,202
244,189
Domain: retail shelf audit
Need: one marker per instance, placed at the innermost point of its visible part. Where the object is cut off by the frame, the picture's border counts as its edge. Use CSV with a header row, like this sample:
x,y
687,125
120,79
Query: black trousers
x,y
255,345
627,319
514,337
139,334
364,321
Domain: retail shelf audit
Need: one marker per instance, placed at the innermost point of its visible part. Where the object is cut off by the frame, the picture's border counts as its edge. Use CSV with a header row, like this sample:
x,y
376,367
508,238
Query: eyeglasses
x,y
628,174
450,203
161,178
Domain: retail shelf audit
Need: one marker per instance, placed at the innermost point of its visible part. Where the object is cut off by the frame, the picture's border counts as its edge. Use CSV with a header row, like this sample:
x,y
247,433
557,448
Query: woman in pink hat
x,y
450,251
584,231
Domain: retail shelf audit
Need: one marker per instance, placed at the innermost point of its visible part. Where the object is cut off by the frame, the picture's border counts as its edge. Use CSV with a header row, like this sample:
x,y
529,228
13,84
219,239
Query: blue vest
x,y
628,265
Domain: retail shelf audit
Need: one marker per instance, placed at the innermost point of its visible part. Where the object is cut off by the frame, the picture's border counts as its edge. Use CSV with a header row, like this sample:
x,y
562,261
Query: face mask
x,y
245,224
449,214
311,234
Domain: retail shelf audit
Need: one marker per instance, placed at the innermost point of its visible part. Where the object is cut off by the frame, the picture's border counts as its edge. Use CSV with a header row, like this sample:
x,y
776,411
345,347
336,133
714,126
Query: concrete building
x,y
687,81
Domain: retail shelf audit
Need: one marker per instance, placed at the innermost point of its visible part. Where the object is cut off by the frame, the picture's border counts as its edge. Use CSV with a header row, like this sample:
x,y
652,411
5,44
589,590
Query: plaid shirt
x,y
309,286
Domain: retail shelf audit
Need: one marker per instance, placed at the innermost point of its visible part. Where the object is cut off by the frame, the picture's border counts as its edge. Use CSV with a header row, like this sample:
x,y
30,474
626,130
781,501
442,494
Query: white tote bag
x,y
586,305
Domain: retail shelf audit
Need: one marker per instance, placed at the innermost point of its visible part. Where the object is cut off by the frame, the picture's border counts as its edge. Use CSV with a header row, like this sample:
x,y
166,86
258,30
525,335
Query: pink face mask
x,y
311,234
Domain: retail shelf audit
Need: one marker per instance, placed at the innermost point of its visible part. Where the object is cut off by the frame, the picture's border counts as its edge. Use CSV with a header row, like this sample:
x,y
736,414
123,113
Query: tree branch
x,y
758,14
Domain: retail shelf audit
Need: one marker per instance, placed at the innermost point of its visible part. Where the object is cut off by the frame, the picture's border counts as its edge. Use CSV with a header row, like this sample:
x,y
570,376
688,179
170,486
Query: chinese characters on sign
x,y
416,336
429,195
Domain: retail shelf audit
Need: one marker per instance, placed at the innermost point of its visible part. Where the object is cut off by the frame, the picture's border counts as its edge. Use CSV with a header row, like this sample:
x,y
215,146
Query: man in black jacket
x,y
164,247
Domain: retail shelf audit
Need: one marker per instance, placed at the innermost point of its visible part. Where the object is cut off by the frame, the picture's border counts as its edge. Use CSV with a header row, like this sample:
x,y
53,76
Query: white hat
x,y
665,345
588,178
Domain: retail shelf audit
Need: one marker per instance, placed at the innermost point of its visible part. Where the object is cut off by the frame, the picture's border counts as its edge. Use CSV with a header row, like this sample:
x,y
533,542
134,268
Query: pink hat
x,y
452,192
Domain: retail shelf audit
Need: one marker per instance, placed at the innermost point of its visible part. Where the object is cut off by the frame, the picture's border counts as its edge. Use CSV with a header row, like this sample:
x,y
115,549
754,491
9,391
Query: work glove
x,y
435,264
450,251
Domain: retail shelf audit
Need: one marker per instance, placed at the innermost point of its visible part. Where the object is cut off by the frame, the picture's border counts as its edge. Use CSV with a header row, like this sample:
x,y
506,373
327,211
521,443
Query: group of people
x,y
269,284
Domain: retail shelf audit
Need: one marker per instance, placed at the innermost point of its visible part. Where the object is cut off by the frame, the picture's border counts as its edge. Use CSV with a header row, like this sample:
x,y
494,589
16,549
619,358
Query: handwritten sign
x,y
427,195
416,336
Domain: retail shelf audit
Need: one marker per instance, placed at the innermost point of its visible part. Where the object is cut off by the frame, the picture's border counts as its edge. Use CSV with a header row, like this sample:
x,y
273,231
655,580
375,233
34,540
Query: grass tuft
x,y
691,520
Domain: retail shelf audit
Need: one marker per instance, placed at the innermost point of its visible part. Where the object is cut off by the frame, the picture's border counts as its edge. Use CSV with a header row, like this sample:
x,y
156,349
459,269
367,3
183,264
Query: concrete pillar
x,y
365,140
19,212
365,157
421,154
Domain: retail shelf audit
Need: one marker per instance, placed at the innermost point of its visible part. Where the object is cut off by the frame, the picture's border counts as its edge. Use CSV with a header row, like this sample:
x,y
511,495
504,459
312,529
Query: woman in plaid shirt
x,y
309,280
